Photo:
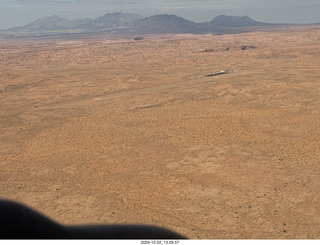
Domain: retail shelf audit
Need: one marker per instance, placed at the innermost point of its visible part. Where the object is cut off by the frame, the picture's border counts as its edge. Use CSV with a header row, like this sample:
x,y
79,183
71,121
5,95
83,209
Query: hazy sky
x,y
21,12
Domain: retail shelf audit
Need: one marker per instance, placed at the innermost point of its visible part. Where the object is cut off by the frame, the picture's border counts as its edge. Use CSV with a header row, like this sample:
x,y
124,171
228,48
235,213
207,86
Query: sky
x,y
21,12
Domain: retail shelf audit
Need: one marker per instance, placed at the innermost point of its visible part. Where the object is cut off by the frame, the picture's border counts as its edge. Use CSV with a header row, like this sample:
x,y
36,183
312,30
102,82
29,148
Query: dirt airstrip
x,y
124,131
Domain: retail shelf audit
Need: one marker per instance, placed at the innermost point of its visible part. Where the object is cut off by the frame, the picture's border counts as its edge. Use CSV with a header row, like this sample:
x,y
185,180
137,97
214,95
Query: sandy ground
x,y
124,131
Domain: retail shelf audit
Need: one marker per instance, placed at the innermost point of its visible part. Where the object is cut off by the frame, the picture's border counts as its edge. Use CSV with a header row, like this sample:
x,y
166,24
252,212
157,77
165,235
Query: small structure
x,y
208,50
247,47
222,72
138,38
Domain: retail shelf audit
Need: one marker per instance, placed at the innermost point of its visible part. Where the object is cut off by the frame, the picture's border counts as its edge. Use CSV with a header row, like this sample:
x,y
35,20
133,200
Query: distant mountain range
x,y
133,23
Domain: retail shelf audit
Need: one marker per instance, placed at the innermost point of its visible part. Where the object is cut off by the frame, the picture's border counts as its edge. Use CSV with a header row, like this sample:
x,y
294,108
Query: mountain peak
x,y
49,23
54,19
165,23
112,20
235,21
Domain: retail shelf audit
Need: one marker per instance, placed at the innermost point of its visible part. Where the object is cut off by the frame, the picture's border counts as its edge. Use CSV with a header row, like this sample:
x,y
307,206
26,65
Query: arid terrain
x,y
113,131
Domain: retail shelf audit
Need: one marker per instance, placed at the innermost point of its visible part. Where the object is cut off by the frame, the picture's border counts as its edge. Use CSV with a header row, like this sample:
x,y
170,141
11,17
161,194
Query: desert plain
x,y
112,131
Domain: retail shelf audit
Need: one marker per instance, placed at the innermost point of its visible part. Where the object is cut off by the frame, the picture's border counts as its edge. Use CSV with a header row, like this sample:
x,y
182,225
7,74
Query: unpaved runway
x,y
129,92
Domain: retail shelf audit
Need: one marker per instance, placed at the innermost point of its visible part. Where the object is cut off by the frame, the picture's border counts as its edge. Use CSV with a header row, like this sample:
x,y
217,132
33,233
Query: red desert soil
x,y
123,131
